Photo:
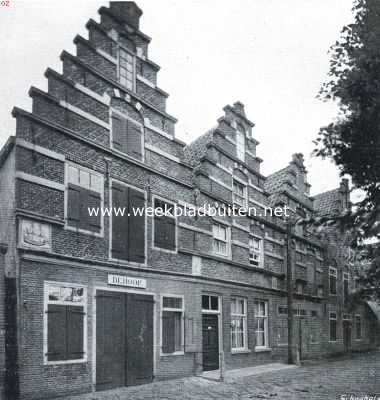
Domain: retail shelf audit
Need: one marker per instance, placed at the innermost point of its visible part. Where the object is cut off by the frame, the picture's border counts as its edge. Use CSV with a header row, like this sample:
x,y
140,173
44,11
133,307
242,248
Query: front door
x,y
210,348
124,339
347,335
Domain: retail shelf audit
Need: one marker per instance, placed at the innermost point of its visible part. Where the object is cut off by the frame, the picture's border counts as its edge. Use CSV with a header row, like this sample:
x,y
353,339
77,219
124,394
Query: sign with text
x,y
122,280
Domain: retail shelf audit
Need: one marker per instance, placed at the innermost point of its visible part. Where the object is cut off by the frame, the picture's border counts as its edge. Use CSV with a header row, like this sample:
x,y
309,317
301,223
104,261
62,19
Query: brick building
x,y
96,302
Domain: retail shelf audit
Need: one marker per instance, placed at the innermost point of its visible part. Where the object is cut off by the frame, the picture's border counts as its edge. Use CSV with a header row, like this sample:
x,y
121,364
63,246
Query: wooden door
x,y
110,340
210,340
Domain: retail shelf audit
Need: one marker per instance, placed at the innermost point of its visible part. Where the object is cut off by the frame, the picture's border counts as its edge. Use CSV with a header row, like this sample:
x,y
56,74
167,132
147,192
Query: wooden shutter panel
x,y
94,201
136,227
168,332
56,332
134,140
119,223
164,232
73,205
119,133
75,332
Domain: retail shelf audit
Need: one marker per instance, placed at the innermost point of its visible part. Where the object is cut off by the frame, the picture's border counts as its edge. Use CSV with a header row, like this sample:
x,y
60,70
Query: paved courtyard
x,y
326,380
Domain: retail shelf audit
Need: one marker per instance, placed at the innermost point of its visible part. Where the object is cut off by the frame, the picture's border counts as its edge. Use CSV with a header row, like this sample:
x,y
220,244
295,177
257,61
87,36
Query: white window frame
x,y
176,225
361,327
119,76
83,304
266,325
245,330
209,310
254,252
80,168
215,232
240,143
182,311
237,198
336,326
333,272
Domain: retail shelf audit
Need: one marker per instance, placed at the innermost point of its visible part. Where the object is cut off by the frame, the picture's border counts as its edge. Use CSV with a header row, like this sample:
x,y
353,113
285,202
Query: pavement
x,y
324,380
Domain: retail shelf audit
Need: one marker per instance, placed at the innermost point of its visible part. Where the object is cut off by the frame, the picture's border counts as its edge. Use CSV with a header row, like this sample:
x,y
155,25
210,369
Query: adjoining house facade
x,y
98,302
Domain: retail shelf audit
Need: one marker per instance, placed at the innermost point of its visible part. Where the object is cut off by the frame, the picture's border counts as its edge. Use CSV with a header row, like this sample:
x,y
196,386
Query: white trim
x,y
145,80
120,47
225,169
227,241
261,252
107,56
40,181
39,149
153,128
66,186
266,325
250,154
176,227
270,239
182,310
84,114
195,229
162,153
245,325
122,290
111,180
220,183
230,140
274,255
240,244
235,195
105,99
45,322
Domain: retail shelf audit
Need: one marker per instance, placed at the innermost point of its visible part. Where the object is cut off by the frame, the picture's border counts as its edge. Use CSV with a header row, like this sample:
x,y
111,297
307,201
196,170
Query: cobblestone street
x,y
326,380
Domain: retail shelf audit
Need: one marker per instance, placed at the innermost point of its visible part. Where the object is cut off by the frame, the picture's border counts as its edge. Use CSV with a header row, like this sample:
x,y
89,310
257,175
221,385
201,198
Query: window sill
x,y
282,345
262,349
176,353
65,362
241,351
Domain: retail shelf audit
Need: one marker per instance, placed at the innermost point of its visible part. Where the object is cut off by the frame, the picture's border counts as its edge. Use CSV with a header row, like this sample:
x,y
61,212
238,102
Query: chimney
x,y
239,108
127,11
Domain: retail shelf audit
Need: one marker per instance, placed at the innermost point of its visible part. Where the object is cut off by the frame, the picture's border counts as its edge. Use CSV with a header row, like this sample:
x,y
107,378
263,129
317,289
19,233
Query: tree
x,y
352,141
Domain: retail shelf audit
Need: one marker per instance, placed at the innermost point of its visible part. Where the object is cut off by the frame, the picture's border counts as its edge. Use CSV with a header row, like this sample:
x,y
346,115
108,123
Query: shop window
x,y
65,315
172,325
238,324
261,324
164,226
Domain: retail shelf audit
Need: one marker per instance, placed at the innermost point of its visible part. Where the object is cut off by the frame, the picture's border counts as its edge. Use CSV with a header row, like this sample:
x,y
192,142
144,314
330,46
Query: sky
x,y
272,55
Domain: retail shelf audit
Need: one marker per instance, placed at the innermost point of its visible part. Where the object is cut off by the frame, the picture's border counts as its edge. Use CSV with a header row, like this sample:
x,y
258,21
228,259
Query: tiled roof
x,y
328,203
194,151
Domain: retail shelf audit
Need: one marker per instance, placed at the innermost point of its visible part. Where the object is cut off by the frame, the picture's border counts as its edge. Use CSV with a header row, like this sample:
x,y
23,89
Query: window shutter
x,y
136,228
168,332
94,221
164,232
56,332
119,133
119,223
134,140
73,205
75,317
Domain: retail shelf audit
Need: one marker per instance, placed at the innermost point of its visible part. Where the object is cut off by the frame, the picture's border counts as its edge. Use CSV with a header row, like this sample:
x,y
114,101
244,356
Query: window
x,y
127,69
240,143
261,324
239,193
84,190
164,226
128,230
172,324
346,278
274,282
332,280
127,136
65,321
210,303
358,327
320,291
299,287
314,313
282,310
221,240
333,330
256,251
238,324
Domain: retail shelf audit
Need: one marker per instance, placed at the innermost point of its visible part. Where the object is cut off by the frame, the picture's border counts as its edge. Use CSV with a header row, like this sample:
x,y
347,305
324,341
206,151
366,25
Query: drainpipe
x,y
289,287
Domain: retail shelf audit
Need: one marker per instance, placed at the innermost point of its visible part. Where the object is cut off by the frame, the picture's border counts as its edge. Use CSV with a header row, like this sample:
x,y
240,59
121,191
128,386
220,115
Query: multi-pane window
x,y
358,326
333,273
239,193
221,239
84,191
65,311
346,277
210,303
127,69
333,326
172,324
240,143
164,225
256,251
261,323
238,323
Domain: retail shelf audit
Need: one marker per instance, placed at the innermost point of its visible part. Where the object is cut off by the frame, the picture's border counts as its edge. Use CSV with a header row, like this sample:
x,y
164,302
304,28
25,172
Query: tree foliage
x,y
352,140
